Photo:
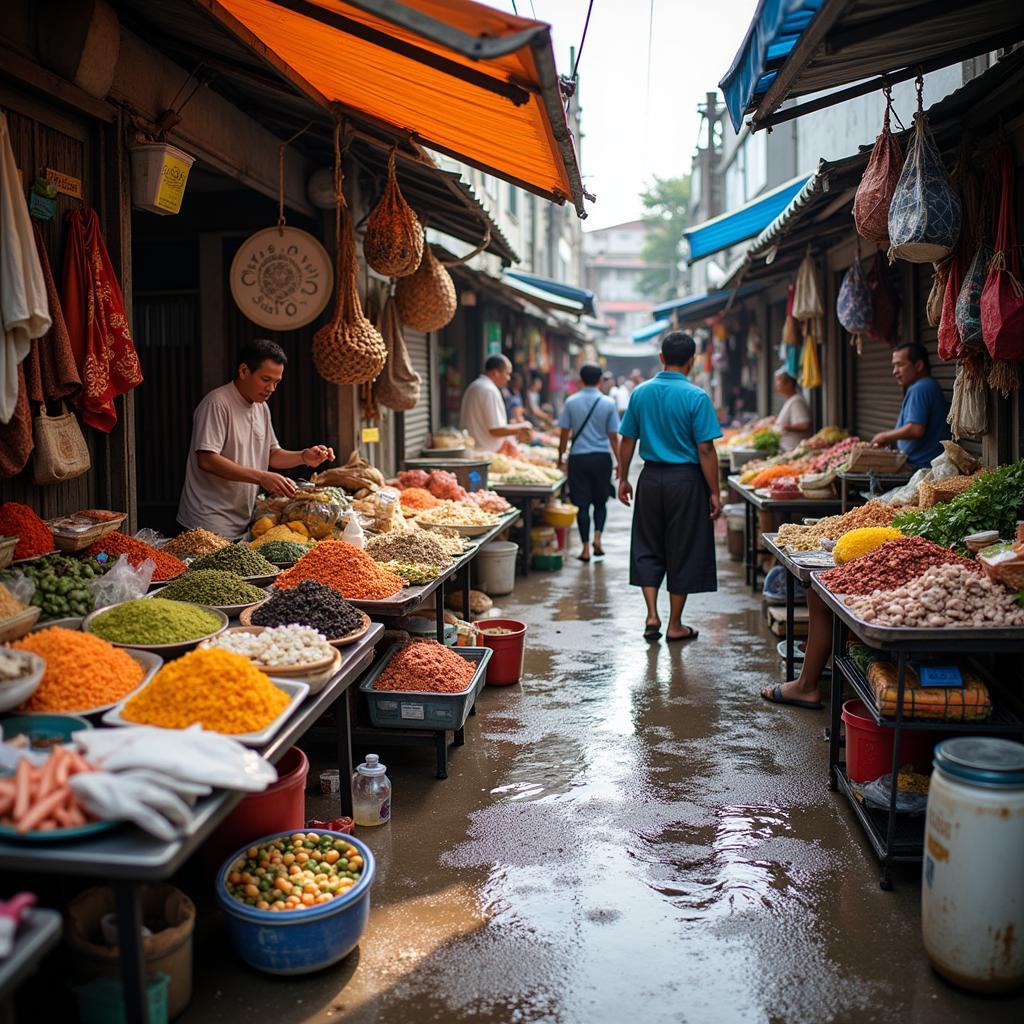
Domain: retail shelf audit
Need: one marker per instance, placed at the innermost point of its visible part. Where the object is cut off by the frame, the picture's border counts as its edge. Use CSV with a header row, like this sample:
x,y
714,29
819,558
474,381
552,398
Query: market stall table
x,y
894,838
522,496
39,931
127,857
876,483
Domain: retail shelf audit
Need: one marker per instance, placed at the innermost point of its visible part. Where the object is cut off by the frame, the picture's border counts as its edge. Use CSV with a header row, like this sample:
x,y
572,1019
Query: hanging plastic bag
x,y
790,329
875,191
810,368
853,304
925,213
807,304
968,302
885,302
1002,298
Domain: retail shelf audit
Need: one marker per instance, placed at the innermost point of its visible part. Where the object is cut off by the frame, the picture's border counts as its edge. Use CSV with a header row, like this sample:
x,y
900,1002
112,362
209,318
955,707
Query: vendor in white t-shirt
x,y
234,450
794,418
484,415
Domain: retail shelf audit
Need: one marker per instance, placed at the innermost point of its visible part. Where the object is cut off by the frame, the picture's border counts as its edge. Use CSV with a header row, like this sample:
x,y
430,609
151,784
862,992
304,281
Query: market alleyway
x,y
631,832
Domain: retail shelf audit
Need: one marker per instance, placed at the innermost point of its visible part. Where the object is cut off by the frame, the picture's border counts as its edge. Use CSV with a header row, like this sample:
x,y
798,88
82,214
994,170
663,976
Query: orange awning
x,y
410,67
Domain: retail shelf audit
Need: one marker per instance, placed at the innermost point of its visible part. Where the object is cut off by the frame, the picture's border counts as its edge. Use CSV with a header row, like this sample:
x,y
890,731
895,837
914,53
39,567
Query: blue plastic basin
x,y
298,941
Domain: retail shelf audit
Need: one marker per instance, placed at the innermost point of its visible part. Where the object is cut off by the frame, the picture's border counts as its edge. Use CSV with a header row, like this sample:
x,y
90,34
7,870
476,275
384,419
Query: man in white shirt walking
x,y
483,414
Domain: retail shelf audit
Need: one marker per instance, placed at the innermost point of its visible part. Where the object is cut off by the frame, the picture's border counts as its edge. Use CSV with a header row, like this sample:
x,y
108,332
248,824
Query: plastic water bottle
x,y
371,792
353,533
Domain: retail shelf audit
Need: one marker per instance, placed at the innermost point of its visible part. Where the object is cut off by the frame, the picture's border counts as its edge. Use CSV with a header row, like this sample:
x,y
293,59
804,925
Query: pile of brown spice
x,y
427,666
891,566
195,544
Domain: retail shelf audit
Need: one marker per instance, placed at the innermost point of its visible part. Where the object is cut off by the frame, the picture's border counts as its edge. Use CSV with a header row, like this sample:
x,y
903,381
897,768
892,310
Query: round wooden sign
x,y
282,278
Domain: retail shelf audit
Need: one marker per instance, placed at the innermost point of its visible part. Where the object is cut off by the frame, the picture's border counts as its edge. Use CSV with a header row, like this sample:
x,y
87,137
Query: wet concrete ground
x,y
630,832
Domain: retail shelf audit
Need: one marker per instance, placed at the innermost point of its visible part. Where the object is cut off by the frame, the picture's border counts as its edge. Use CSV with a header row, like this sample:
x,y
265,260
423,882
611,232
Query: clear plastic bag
x,y
21,588
154,538
122,582
877,793
907,492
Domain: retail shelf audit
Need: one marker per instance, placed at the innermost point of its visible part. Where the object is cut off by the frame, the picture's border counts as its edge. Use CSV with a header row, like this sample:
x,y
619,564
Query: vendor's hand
x,y
274,483
880,440
524,434
715,501
316,454
625,492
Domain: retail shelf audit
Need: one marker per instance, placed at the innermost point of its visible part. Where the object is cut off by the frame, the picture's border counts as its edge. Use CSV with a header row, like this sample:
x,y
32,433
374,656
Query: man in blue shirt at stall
x,y
677,498
921,427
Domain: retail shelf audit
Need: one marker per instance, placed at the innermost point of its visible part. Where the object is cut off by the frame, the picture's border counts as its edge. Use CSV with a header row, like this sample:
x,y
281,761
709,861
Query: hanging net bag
x,y
426,300
349,349
393,243
877,186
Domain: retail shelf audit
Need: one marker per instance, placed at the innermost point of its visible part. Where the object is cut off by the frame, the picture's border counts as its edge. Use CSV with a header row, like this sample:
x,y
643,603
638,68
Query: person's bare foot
x,y
652,628
794,690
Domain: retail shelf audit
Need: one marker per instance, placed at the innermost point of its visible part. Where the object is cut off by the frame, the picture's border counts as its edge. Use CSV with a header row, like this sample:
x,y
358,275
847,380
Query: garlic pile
x,y
281,646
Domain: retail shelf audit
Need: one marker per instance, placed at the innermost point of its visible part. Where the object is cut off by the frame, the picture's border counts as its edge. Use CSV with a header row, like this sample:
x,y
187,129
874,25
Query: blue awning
x,y
651,330
773,33
697,307
726,230
558,289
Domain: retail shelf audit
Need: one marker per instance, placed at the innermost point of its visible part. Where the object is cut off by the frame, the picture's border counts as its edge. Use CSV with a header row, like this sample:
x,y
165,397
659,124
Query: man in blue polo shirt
x,y
677,497
921,427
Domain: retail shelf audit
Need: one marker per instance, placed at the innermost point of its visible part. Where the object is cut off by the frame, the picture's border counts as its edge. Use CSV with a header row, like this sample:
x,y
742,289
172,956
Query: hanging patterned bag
x,y
853,304
951,345
968,302
876,188
924,215
398,386
885,302
349,349
393,244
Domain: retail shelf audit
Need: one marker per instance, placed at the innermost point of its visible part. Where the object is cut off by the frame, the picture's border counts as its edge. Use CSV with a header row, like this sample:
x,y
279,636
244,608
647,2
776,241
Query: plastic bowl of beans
x,y
297,902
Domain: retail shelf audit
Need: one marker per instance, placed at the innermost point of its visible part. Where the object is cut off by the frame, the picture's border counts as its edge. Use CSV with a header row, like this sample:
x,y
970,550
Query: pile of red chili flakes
x,y
428,666
114,544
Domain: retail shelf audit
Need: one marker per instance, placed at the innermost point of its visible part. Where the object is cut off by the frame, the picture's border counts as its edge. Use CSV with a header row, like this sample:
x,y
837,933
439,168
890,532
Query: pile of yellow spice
x,y
220,690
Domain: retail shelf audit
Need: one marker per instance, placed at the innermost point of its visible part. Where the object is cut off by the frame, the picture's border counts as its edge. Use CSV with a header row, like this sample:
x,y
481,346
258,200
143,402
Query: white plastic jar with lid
x,y
371,793
972,894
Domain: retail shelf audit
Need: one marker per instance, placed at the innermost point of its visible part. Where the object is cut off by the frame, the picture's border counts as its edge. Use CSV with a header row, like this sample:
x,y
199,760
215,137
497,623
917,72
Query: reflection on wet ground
x,y
632,830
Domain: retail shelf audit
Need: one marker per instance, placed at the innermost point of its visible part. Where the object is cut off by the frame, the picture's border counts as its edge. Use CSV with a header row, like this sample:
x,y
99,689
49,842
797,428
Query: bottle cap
x,y
372,766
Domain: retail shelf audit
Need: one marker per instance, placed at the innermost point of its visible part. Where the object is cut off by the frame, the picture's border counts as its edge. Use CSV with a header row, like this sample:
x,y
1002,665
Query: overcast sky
x,y
630,132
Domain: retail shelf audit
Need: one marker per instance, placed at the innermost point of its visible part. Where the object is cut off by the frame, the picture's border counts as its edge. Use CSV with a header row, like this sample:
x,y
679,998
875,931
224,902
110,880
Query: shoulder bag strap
x,y
583,425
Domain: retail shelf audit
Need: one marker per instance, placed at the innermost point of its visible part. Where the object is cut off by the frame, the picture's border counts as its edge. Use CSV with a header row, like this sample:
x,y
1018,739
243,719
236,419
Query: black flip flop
x,y
580,558
652,632
692,635
778,698
598,552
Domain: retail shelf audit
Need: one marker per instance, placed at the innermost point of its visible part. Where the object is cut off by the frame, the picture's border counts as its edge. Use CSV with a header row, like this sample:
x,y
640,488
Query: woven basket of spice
x,y
79,531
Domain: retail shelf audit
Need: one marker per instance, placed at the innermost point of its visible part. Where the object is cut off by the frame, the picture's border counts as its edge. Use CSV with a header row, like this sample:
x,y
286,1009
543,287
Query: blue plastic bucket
x,y
298,941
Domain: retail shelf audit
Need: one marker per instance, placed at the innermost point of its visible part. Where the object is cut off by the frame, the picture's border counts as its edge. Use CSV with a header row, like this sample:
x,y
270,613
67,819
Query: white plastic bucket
x,y
159,175
496,567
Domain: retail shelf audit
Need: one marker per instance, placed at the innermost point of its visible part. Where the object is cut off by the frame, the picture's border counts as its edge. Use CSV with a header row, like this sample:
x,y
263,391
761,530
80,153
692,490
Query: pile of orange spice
x,y
345,568
82,671
418,498
428,666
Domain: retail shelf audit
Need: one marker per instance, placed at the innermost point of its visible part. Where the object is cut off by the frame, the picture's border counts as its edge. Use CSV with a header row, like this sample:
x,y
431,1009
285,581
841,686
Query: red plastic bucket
x,y
869,746
561,534
279,808
506,665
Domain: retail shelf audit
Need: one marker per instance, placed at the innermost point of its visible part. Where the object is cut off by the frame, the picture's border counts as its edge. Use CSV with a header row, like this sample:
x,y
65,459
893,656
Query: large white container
x,y
159,176
972,895
496,567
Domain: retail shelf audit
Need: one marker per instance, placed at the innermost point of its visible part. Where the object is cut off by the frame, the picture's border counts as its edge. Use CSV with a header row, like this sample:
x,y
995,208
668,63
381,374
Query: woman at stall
x,y
794,418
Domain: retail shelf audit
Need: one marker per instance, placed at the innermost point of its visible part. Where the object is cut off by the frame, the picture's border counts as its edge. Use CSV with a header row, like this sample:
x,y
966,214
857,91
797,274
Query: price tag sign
x,y
66,183
371,435
939,675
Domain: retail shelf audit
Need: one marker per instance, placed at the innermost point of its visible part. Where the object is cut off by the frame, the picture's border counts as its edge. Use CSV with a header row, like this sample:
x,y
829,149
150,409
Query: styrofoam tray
x,y
296,690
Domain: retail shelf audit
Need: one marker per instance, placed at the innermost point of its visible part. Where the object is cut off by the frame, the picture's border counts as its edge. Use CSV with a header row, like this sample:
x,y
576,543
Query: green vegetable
x,y
993,502
62,584
767,441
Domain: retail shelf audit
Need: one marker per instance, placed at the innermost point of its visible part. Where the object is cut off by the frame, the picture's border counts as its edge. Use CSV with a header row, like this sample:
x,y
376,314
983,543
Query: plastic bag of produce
x,y
878,792
154,538
122,582
924,215
878,184
318,517
853,304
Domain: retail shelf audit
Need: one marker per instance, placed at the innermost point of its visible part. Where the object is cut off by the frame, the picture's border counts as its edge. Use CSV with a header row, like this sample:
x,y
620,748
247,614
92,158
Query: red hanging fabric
x,y
97,322
1002,299
885,302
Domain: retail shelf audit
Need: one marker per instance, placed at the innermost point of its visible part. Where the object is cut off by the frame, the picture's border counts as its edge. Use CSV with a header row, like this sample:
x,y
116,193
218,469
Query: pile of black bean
x,y
309,604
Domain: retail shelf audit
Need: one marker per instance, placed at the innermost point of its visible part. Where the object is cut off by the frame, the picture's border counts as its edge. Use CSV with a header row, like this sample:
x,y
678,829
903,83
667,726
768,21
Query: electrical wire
x,y
583,39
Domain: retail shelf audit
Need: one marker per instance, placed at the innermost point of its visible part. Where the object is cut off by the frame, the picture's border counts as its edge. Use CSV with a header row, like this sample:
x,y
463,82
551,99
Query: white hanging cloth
x,y
24,310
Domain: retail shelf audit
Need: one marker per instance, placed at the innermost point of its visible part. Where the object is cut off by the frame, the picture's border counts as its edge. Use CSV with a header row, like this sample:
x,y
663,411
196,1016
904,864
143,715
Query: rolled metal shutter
x,y
878,396
416,422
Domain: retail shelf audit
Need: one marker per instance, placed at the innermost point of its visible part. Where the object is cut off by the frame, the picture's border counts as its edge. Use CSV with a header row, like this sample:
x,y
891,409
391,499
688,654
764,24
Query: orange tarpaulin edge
x,y
410,67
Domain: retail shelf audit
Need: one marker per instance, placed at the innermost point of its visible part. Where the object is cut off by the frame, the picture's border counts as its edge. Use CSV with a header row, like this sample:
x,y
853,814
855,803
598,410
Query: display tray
x,y
79,538
262,581
421,709
464,531
443,453
286,671
7,546
296,690
16,626
159,584
164,650
72,622
245,619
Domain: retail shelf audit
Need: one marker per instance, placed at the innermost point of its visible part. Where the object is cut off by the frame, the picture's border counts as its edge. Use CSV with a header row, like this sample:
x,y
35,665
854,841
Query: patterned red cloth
x,y
97,323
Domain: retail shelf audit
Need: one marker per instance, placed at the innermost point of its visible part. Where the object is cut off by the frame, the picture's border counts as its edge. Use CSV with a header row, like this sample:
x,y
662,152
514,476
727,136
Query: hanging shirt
x,y
24,310
483,408
226,424
924,403
593,439
794,410
671,417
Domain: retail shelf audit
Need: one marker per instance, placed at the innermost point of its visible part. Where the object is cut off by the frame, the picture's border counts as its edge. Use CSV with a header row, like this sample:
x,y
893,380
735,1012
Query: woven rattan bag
x,y
426,300
393,244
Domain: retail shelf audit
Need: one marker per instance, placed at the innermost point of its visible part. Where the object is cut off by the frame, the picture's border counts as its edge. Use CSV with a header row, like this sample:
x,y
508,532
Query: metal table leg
x,y
890,829
343,738
466,587
748,540
835,704
439,612
133,961
441,753
527,527
790,624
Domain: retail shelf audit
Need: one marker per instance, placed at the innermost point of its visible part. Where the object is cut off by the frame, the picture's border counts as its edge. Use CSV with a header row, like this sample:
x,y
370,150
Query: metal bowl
x,y
165,651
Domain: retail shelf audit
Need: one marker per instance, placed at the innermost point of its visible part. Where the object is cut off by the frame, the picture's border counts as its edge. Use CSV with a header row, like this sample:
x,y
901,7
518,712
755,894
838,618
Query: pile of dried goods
x,y
218,690
109,548
457,514
310,604
428,667
82,671
945,595
833,457
891,566
62,584
282,551
445,486
411,546
349,570
489,501
212,586
195,544
794,537
857,543
236,558
277,647
414,573
151,621
413,478
284,533
418,498
34,537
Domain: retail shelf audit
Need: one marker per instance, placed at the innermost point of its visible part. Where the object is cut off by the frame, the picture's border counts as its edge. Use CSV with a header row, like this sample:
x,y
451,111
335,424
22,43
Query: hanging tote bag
x,y
853,304
790,328
807,304
1002,297
968,302
924,215
878,184
885,302
398,386
60,450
